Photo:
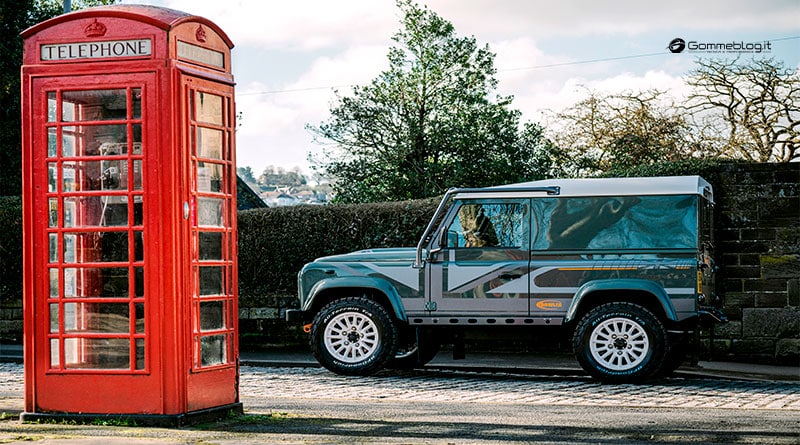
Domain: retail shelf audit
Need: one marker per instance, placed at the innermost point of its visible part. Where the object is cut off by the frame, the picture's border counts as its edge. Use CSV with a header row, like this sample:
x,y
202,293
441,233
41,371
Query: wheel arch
x,y
645,293
375,289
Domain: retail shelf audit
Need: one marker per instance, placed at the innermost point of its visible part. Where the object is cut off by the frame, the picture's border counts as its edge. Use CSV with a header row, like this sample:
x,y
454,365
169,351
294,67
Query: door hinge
x,y
430,305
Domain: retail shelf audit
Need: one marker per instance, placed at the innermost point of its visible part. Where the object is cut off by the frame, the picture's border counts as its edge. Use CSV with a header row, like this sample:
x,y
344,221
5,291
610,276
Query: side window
x,y
615,223
489,224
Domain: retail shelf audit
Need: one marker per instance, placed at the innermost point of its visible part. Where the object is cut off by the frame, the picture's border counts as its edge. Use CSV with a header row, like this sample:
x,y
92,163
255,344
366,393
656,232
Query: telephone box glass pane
x,y
54,355
137,175
212,315
211,280
53,283
97,353
209,212
209,177
53,204
212,350
208,108
54,318
91,247
52,177
94,105
139,353
96,282
53,247
209,245
68,178
139,314
136,103
52,107
52,142
96,211
68,136
98,318
209,143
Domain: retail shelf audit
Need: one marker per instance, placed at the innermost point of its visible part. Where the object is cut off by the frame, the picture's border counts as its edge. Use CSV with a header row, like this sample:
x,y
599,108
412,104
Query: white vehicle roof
x,y
659,185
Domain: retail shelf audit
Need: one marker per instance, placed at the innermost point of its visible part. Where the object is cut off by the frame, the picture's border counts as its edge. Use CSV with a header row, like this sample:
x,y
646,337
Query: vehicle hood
x,y
401,254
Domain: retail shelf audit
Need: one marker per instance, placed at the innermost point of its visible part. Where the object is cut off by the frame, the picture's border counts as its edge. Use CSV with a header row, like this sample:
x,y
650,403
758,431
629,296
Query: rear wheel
x,y
353,336
620,343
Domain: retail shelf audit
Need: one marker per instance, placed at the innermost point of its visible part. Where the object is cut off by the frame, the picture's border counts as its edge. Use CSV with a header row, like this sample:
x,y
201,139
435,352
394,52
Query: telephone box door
x,y
91,240
209,117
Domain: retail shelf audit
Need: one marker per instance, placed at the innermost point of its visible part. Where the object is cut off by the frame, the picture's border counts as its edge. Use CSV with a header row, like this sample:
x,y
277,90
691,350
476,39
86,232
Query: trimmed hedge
x,y
274,243
11,251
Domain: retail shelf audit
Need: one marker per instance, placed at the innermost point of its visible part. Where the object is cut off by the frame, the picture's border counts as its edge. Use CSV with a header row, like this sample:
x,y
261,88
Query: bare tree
x,y
751,110
622,130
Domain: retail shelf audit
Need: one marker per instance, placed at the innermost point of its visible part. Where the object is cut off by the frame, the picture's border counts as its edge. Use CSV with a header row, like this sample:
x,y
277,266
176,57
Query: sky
x,y
290,56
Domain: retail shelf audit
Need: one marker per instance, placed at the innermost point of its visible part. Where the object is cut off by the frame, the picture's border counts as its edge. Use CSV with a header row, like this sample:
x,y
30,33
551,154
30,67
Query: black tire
x,y
353,336
416,349
620,343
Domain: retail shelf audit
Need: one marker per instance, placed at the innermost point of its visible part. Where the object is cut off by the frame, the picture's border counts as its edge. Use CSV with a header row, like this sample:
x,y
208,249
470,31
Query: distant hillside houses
x,y
291,196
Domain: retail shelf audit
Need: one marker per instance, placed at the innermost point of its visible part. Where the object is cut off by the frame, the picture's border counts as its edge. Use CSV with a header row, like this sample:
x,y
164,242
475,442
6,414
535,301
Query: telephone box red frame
x,y
129,215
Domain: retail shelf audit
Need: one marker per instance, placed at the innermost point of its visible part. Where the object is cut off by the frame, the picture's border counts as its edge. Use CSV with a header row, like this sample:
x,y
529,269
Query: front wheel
x,y
353,336
620,343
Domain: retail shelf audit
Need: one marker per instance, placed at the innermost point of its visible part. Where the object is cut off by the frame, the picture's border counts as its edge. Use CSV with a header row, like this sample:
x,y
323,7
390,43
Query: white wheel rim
x,y
619,344
351,337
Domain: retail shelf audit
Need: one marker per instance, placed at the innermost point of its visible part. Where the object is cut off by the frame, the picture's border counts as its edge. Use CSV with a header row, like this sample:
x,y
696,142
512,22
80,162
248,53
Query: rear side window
x,y
615,223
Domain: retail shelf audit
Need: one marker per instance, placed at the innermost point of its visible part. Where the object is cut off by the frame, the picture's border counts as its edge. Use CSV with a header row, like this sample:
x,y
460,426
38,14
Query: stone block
x,y
731,329
772,285
779,209
782,266
787,351
752,259
793,292
770,299
754,347
771,323
261,313
758,234
787,240
743,271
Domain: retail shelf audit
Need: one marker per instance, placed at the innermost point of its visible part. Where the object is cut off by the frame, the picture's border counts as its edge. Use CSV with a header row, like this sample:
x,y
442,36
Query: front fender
x,y
374,283
628,284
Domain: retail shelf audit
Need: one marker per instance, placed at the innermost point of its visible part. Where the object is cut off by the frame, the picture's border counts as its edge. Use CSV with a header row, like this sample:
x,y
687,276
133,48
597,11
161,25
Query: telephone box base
x,y
152,420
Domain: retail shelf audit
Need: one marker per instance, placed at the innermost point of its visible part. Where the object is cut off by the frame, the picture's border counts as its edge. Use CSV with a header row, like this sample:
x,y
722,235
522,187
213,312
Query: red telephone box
x,y
130,286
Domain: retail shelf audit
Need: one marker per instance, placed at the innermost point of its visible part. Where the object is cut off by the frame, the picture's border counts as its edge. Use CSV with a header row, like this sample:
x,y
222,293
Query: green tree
x,y
280,177
246,173
426,123
15,17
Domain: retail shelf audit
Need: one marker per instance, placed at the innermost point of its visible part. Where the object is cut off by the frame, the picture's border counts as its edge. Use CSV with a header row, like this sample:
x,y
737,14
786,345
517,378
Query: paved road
x,y
311,405
465,387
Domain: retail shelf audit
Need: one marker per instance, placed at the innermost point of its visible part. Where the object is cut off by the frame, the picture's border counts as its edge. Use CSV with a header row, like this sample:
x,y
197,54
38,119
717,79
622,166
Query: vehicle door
x,y
484,259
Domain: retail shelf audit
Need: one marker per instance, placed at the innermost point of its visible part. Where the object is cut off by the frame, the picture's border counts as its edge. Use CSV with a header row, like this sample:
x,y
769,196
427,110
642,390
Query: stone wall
x,y
758,246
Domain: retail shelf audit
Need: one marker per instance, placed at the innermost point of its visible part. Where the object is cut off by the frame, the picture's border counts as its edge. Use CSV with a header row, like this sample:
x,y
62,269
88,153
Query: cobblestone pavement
x,y
467,387
472,387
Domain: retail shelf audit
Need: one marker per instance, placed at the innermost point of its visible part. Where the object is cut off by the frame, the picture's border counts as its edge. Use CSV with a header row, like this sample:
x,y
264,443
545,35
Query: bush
x,y
11,251
274,243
